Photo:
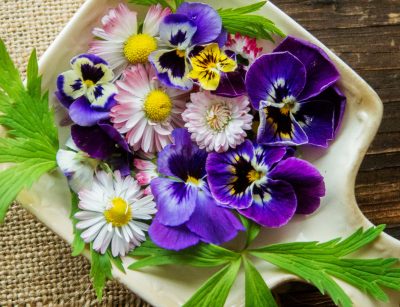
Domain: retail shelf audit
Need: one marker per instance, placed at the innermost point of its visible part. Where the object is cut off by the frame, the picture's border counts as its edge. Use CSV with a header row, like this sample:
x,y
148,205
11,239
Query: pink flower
x,y
121,43
244,46
146,170
147,112
217,123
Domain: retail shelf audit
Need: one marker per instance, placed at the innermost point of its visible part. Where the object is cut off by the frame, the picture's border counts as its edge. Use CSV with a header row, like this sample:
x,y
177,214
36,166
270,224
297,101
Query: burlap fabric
x,y
35,265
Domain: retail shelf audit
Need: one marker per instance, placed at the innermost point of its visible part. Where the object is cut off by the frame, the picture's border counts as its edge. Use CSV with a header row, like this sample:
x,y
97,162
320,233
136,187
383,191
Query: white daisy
x,y
146,111
217,123
77,166
121,43
111,211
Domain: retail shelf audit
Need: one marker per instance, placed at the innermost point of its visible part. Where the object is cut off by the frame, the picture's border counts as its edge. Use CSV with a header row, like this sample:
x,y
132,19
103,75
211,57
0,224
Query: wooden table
x,y
366,35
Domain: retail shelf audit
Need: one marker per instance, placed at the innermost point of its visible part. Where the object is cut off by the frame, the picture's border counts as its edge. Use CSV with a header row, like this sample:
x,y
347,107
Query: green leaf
x,y
257,291
317,263
117,261
100,271
252,229
215,291
164,3
202,255
31,143
78,245
239,20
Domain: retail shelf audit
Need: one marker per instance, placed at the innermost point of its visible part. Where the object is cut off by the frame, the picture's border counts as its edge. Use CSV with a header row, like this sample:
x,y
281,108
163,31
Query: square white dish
x,y
339,214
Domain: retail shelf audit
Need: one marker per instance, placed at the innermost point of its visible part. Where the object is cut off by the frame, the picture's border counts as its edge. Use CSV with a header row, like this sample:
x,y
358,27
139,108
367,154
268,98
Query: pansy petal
x,y
93,141
207,21
113,133
70,85
86,58
83,114
172,68
306,181
177,31
226,185
232,84
279,129
274,204
175,201
174,238
102,95
275,76
269,155
214,224
316,117
321,72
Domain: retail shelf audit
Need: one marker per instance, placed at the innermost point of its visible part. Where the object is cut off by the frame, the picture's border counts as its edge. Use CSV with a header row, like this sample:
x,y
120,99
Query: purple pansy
x,y
192,24
187,212
294,89
264,183
86,90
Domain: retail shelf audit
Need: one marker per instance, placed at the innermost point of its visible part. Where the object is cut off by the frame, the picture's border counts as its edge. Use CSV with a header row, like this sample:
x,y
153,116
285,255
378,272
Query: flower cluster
x,y
181,129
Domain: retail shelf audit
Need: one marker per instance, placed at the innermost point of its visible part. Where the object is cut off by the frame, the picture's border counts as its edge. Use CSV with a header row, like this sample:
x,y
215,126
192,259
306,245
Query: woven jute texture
x,y
35,265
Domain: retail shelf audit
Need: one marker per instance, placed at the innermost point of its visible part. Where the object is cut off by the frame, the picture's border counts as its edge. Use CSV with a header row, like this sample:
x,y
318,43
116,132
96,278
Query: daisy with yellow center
x,y
121,43
147,112
208,64
113,211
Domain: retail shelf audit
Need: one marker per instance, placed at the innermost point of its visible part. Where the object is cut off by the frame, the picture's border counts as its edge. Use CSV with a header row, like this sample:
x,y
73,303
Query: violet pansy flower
x,y
86,90
192,24
294,89
264,183
187,212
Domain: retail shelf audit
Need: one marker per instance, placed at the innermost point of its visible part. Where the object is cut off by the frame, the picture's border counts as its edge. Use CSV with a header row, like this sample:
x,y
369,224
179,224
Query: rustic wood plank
x,y
366,35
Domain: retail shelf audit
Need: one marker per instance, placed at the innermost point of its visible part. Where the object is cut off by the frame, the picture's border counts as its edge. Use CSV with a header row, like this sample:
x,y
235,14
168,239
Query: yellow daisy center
x,y
157,106
138,47
254,175
119,214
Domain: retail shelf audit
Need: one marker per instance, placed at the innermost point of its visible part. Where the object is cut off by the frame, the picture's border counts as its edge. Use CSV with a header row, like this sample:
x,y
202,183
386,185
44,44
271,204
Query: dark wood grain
x,y
366,35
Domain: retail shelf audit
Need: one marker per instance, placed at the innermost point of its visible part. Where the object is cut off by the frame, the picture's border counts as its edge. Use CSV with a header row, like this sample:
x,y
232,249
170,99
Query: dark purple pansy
x,y
99,141
86,90
192,24
294,89
263,184
187,212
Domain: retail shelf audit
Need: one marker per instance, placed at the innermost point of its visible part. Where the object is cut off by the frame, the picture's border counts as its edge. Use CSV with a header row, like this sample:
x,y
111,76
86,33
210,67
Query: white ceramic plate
x,y
339,214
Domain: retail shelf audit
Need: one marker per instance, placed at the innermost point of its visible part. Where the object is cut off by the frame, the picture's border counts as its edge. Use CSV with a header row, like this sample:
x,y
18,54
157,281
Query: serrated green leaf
x,y
31,142
78,245
100,271
215,291
202,255
257,291
317,263
239,20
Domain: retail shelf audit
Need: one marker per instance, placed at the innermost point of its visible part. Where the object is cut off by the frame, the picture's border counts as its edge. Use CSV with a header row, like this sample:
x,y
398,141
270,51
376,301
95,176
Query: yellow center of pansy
x,y
193,181
254,175
181,53
157,106
138,47
88,83
119,214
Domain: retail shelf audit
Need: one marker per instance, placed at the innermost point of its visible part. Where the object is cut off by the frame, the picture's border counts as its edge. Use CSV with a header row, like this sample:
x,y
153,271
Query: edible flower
x,y
265,184
187,212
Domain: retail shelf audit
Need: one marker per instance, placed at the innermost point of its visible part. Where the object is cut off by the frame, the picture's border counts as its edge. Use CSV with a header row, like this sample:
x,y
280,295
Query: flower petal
x,y
83,114
175,238
275,76
70,85
321,72
154,17
206,19
102,95
274,204
175,201
214,224
177,31
306,181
